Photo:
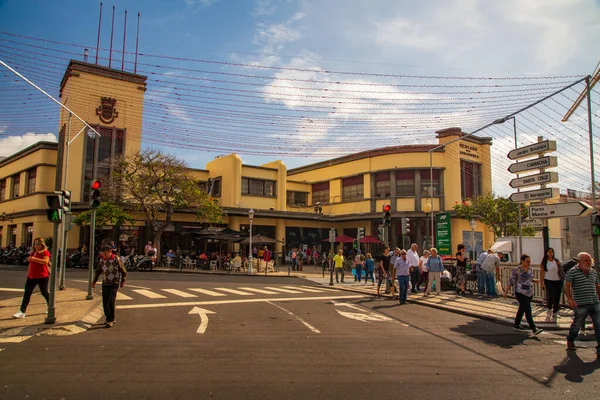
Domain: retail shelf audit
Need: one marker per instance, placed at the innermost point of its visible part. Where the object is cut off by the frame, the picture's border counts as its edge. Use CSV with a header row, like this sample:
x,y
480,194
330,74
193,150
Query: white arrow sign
x,y
537,179
203,318
573,209
536,163
537,148
535,195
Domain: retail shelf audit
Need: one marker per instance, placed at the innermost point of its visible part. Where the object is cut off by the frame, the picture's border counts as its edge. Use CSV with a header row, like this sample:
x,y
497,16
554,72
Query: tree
x,y
159,185
106,214
499,213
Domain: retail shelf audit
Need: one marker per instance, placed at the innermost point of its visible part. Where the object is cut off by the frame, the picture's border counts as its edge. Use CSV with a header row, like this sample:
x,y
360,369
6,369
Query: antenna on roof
x,y
98,42
136,45
124,35
112,31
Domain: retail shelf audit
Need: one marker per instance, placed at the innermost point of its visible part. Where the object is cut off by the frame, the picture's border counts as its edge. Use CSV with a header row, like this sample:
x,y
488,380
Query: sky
x,y
307,80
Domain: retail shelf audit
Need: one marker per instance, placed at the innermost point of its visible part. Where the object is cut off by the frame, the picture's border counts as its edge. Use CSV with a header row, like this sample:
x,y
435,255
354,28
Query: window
x,y
28,231
258,187
216,187
12,232
31,175
353,188
405,183
297,198
382,184
426,182
470,180
203,186
16,186
320,192
110,144
3,189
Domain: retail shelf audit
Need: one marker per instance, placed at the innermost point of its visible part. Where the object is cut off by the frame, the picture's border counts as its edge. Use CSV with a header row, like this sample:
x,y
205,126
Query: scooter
x,y
144,263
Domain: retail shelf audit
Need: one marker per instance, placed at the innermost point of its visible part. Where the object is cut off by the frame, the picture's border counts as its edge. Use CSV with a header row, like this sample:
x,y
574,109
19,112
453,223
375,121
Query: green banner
x,y
443,235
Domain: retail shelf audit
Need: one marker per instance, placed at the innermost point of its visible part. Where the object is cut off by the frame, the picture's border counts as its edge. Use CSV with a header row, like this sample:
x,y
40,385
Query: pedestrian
x,y
551,279
358,264
415,272
461,269
424,269
38,274
370,268
391,275
582,289
435,267
383,268
402,267
480,275
338,261
489,268
521,279
113,276
294,259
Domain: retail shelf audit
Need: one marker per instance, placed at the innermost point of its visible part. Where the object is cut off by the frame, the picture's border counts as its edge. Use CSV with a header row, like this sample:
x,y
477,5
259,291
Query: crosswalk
x,y
130,294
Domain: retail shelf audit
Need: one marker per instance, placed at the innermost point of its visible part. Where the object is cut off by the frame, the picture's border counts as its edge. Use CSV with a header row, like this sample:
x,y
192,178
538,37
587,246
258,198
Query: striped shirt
x,y
584,286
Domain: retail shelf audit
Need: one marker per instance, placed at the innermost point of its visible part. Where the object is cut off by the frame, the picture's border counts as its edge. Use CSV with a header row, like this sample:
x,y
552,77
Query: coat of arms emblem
x,y
106,111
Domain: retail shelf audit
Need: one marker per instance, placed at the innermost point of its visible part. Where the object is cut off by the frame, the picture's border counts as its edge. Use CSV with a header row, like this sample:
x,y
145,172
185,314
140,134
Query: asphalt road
x,y
319,344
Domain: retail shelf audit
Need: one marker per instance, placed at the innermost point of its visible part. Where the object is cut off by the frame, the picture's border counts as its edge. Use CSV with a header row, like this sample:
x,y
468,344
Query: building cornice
x,y
27,151
79,66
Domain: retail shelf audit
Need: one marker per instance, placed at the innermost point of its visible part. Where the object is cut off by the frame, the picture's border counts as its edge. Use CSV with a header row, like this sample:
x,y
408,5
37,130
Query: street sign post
x,y
534,180
443,234
536,163
535,195
546,146
573,209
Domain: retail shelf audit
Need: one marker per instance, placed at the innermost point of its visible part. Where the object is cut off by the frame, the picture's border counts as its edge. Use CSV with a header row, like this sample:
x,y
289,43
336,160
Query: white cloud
x,y
200,3
12,144
267,7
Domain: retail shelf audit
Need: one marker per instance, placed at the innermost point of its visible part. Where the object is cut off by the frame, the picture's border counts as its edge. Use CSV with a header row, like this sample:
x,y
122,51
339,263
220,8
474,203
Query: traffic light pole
x,y
51,316
594,205
63,232
90,295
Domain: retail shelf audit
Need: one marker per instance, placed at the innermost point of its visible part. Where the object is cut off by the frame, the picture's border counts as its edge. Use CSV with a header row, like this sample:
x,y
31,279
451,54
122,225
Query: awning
x,y
502,245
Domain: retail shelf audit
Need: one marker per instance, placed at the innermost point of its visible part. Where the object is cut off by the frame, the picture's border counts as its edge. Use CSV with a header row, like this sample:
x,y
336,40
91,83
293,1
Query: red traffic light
x,y
96,185
387,208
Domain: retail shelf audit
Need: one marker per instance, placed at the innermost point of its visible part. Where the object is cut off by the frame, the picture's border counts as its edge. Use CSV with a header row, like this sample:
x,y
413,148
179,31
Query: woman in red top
x,y
38,274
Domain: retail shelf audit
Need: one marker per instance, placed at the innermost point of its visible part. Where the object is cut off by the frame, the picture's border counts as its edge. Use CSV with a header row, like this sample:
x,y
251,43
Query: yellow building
x,y
296,207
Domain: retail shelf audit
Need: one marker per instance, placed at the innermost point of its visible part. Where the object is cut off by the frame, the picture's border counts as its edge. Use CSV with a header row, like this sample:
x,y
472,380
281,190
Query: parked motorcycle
x,y
144,263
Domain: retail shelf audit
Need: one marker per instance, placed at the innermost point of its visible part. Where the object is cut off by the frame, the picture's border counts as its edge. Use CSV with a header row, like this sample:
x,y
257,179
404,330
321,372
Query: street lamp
x,y
427,208
473,224
250,217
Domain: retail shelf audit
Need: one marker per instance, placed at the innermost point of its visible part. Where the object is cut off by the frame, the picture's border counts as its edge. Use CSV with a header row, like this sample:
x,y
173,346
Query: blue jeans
x,y
403,282
579,315
490,283
368,274
358,276
480,281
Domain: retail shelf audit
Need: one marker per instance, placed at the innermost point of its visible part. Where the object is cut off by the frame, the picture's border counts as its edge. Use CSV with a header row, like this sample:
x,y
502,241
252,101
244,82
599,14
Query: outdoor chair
x,y
213,265
236,266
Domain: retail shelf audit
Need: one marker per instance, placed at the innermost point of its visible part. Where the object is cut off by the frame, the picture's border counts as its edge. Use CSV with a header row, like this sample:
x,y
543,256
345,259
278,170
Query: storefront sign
x,y
469,150
443,235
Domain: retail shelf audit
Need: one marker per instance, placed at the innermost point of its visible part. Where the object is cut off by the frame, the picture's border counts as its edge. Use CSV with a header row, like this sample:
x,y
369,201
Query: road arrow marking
x,y
203,313
309,326
363,315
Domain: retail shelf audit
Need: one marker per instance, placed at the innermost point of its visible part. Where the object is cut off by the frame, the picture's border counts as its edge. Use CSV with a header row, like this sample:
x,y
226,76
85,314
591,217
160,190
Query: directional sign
x,y
533,149
573,209
536,163
535,195
203,318
534,223
533,180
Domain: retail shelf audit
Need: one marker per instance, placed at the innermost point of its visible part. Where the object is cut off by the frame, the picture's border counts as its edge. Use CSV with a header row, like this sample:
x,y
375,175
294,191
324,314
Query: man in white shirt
x,y
415,272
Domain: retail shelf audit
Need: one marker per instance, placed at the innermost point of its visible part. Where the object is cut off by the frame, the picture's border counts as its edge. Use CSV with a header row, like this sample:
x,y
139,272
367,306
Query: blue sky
x,y
298,113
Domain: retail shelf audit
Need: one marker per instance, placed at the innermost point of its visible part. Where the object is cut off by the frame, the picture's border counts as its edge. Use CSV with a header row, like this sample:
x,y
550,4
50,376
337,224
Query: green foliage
x,y
48,241
499,213
106,214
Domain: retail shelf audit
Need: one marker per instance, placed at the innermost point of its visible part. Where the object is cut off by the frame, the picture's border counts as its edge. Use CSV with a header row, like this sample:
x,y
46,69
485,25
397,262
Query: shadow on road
x,y
479,329
574,368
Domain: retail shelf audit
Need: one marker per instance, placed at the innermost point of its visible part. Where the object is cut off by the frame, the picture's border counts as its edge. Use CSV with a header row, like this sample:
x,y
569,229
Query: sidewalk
x,y
74,315
498,310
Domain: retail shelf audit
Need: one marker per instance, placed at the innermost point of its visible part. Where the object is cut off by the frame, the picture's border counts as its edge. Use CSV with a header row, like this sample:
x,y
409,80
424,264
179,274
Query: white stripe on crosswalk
x,y
282,290
323,289
206,291
121,296
4,289
258,290
149,294
233,291
179,293
305,289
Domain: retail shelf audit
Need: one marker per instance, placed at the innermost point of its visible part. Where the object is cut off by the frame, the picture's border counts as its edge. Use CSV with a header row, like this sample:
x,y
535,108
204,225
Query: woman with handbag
x,y
38,274
521,279
551,278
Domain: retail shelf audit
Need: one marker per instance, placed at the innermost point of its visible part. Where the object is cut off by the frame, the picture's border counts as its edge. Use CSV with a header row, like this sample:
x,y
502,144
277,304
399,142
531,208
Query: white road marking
x,y
239,301
323,289
282,290
126,284
2,289
203,318
149,294
208,292
309,326
121,296
305,289
179,293
258,290
365,315
233,291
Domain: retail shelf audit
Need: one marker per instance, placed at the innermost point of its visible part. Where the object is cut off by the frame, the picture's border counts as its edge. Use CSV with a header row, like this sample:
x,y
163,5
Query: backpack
x,y
566,266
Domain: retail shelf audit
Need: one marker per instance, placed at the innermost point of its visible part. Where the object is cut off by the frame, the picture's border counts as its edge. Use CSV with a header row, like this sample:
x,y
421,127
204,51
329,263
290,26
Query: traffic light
x,y
596,224
360,234
355,244
66,195
380,232
95,194
55,209
387,215
405,223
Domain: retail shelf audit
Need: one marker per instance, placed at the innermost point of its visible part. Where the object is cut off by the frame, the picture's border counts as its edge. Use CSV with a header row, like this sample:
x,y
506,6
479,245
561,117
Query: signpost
x,y
534,180
545,146
535,195
573,209
443,234
536,163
